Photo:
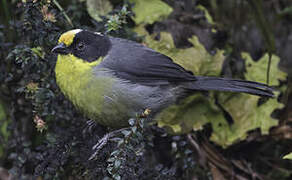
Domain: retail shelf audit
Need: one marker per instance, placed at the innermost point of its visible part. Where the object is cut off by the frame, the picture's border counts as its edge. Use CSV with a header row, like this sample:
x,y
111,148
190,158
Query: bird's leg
x,y
103,141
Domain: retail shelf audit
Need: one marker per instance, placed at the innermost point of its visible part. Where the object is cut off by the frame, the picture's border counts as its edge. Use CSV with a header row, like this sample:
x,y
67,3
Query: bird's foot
x,y
90,125
103,141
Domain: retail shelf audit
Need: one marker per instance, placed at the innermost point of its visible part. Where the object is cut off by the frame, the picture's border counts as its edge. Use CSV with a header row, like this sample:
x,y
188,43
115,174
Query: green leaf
x,y
256,71
114,153
116,177
286,11
98,8
39,51
207,14
134,129
149,11
192,113
288,156
244,109
247,115
117,164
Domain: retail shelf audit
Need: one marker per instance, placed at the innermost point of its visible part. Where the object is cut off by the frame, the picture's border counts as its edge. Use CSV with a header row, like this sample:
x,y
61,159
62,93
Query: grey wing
x,y
134,62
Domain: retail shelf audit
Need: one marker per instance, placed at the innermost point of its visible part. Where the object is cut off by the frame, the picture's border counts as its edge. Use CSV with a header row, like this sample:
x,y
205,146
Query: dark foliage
x,y
48,138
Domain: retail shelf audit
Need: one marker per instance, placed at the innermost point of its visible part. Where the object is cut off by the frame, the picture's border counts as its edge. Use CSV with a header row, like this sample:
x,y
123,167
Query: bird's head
x,y
86,45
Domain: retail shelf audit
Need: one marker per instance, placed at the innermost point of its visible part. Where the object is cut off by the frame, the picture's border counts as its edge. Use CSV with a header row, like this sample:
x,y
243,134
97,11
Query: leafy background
x,y
231,135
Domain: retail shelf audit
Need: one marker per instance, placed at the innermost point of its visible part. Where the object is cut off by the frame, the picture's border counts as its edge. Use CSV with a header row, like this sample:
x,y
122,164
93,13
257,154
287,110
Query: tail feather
x,y
232,85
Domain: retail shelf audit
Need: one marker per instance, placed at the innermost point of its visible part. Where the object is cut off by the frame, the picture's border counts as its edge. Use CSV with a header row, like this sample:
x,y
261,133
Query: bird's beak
x,y
60,49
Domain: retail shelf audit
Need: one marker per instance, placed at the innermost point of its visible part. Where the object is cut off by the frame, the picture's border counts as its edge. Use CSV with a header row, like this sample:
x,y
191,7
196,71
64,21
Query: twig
x,y
63,12
202,155
269,68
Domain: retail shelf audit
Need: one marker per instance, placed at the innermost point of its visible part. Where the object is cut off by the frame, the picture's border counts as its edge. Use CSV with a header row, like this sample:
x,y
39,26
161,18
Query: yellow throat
x,y
73,74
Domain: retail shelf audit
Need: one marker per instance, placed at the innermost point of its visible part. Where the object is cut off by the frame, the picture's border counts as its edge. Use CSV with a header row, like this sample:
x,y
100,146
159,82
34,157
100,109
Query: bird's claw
x,y
90,125
103,141
99,145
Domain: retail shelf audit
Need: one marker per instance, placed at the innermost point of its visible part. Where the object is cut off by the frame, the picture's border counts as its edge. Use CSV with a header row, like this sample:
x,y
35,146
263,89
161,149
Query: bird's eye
x,y
80,46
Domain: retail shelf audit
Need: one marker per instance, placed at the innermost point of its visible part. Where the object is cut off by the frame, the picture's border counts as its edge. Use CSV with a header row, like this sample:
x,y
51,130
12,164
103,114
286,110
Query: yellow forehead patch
x,y
68,37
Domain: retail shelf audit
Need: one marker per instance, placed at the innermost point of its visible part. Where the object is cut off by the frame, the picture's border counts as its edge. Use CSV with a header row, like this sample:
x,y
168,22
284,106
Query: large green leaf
x,y
247,116
98,8
149,11
244,109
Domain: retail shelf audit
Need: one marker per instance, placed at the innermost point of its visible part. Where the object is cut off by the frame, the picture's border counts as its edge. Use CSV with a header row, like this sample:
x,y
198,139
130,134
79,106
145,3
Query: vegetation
x,y
232,136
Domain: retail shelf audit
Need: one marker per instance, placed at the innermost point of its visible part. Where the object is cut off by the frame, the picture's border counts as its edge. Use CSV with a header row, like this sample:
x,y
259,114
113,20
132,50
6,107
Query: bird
x,y
111,79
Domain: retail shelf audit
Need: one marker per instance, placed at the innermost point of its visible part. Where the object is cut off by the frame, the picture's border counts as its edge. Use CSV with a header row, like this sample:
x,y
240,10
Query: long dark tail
x,y
232,85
